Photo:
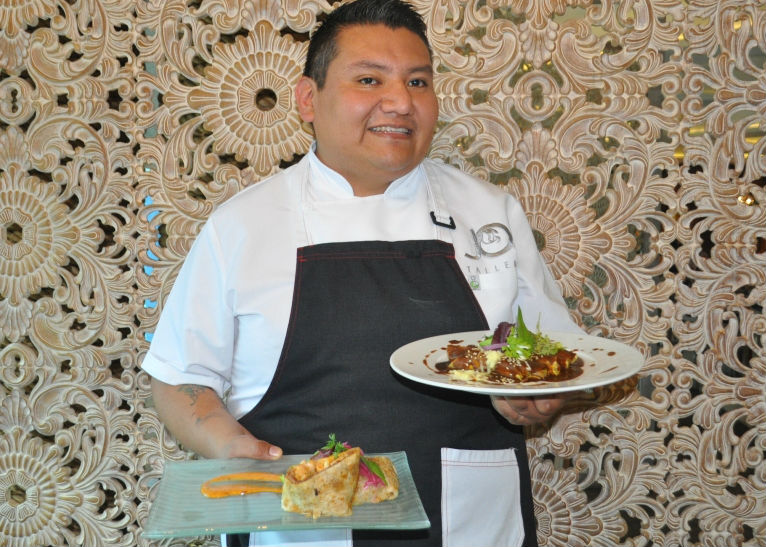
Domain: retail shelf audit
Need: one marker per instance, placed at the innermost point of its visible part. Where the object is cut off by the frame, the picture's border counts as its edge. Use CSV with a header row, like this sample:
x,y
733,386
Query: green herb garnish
x,y
374,468
521,343
334,447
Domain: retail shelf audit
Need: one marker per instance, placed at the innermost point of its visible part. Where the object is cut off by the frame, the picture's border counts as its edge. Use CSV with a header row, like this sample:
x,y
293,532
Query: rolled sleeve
x,y
194,339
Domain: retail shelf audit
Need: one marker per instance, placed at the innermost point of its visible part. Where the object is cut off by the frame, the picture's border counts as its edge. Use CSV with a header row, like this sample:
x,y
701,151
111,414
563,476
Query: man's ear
x,y
305,94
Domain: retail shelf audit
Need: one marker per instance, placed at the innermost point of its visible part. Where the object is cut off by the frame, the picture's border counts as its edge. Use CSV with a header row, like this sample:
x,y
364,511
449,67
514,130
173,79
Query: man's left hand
x,y
529,410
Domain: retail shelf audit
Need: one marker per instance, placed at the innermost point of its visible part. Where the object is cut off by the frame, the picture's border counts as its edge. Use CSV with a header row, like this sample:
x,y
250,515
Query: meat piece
x,y
465,357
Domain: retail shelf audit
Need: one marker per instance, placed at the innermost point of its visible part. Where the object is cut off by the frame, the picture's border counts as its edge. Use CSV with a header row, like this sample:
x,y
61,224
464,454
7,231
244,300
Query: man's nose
x,y
397,98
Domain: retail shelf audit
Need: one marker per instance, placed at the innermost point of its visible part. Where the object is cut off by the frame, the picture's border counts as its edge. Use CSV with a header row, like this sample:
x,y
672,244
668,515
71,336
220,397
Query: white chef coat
x,y
225,319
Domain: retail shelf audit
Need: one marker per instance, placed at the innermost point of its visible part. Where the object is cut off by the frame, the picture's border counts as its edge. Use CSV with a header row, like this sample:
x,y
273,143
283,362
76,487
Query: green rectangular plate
x,y
180,510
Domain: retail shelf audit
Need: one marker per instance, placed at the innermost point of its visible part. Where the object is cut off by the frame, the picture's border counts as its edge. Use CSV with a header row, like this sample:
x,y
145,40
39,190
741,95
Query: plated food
x,y
512,354
599,361
337,477
322,487
375,489
180,510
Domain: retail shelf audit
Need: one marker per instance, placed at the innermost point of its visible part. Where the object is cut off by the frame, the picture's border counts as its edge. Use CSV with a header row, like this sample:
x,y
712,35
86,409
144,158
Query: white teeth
x,y
387,129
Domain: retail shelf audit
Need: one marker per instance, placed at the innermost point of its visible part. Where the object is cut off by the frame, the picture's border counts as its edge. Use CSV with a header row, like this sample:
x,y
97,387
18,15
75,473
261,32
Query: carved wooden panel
x,y
632,131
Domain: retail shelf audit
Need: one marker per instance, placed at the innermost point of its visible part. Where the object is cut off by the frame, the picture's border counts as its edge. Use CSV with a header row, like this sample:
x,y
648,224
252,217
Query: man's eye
x,y
367,81
418,82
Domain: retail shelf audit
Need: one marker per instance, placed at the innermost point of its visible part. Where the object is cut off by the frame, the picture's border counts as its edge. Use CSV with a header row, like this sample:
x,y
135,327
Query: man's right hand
x,y
247,446
198,419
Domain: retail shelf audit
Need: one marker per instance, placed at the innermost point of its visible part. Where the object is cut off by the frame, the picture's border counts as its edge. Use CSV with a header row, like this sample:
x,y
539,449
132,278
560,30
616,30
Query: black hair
x,y
323,48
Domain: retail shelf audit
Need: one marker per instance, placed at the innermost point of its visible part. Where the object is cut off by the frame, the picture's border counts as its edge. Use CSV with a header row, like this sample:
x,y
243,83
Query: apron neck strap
x,y
439,212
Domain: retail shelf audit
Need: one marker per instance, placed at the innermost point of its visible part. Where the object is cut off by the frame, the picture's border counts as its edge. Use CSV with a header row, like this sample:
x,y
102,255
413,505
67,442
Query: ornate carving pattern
x,y
632,131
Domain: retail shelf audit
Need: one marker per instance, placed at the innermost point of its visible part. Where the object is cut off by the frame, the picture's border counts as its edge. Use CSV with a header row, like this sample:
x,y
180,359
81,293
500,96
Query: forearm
x,y
197,418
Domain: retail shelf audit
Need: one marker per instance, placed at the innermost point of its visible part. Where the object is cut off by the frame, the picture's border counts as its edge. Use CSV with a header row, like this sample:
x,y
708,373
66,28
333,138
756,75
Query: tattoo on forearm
x,y
192,391
202,419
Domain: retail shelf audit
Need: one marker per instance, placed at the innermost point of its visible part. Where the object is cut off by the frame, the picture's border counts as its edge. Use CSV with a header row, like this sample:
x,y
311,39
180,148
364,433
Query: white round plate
x,y
605,361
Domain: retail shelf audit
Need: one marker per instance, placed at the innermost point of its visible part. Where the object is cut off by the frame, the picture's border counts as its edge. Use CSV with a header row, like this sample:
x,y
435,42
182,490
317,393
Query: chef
x,y
283,317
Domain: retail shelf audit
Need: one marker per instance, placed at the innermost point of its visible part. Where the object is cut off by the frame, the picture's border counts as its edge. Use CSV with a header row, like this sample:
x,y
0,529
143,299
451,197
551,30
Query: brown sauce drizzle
x,y
573,371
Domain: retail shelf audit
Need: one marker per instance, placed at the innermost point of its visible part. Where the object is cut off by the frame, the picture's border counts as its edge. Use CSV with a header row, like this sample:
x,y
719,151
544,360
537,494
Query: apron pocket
x,y
496,292
480,498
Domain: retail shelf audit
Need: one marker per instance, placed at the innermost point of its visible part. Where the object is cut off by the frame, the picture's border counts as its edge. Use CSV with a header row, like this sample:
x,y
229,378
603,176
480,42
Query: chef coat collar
x,y
327,184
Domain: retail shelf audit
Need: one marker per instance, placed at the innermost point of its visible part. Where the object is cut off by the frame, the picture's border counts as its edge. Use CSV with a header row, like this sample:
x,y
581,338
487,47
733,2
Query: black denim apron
x,y
353,305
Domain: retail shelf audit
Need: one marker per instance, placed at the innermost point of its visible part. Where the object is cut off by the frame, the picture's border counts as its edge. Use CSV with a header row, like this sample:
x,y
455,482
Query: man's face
x,y
375,116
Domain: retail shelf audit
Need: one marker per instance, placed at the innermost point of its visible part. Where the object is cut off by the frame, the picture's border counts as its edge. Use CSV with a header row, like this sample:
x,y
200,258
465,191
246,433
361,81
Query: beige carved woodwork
x,y
632,132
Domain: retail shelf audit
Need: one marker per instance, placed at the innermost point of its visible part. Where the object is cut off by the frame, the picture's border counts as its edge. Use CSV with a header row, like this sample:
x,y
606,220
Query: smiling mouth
x,y
391,129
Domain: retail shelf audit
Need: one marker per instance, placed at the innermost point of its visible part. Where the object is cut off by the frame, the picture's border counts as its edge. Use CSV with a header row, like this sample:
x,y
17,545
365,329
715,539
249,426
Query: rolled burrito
x,y
322,487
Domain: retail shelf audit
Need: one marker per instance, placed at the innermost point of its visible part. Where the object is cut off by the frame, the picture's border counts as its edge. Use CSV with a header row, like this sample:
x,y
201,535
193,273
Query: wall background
x,y
632,131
